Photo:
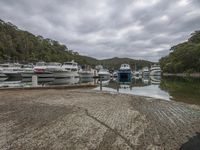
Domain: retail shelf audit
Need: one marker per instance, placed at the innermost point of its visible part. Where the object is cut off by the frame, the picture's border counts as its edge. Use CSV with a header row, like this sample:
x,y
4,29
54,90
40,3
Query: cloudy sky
x,y
139,29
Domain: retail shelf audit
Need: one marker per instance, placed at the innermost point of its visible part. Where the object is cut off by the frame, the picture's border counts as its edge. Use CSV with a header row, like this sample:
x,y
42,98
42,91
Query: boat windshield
x,y
125,65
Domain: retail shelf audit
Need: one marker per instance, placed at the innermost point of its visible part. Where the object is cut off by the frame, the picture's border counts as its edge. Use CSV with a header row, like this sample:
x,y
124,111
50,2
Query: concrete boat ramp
x,y
86,119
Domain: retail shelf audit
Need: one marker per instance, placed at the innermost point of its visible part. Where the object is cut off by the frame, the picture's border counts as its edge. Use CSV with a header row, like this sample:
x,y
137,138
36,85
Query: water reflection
x,y
182,89
174,88
139,86
168,88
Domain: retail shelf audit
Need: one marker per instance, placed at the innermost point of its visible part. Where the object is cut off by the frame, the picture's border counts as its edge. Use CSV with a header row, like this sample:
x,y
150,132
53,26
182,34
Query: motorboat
x,y
115,74
57,70
40,70
3,77
63,74
71,68
145,71
136,73
27,68
155,70
86,73
104,74
12,70
125,73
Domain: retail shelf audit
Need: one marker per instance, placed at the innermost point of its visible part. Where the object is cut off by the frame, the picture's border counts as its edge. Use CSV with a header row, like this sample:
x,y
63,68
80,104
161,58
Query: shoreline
x,y
76,86
197,75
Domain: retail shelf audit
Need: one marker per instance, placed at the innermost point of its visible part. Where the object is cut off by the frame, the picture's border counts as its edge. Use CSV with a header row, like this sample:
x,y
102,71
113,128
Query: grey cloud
x,y
138,29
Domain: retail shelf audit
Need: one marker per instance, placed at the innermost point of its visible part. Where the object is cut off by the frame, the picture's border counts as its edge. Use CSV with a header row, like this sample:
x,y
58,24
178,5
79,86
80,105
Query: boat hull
x,y
3,77
86,75
124,76
42,77
65,74
104,77
13,75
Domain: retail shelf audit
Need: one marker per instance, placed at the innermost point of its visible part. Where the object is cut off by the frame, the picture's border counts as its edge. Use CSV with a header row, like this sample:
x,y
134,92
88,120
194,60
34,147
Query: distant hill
x,y
184,57
23,46
114,63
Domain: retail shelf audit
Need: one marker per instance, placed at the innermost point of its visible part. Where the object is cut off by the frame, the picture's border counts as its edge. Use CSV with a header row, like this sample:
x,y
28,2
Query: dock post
x,y
100,83
34,81
118,86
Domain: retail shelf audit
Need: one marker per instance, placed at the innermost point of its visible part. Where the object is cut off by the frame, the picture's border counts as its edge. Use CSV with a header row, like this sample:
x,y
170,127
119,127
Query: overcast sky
x,y
139,29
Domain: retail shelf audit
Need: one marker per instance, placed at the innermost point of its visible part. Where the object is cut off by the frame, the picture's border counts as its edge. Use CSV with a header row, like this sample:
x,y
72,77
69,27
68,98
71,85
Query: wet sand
x,y
85,119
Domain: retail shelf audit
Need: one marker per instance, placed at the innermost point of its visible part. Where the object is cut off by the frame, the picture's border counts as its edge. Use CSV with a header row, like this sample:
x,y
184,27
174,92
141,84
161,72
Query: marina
x,y
100,75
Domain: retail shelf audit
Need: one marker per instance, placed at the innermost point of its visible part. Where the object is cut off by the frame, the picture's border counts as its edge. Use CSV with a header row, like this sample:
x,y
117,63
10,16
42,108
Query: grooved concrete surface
x,y
86,119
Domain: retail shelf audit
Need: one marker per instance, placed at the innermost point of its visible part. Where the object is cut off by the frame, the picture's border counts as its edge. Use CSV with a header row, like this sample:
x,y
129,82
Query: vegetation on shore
x,y
184,57
185,89
21,46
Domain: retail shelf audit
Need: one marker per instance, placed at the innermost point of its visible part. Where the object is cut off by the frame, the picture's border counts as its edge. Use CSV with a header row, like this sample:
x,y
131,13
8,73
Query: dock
x,y
88,119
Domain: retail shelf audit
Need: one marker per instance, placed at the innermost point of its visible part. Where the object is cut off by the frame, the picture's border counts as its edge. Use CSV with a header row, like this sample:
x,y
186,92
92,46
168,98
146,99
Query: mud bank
x,y
86,119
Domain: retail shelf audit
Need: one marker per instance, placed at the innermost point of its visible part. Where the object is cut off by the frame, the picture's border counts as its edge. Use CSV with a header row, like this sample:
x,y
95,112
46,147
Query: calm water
x,y
168,88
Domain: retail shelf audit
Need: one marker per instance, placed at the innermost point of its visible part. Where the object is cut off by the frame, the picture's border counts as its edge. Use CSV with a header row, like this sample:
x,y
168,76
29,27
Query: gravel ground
x,y
86,119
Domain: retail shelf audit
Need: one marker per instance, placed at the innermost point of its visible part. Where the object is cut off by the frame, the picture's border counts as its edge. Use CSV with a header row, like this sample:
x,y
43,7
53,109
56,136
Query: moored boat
x,y
104,74
86,74
39,70
71,68
145,71
12,70
125,73
155,70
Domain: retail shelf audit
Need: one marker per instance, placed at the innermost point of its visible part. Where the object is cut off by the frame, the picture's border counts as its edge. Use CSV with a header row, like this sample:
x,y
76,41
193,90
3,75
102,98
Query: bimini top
x,y
125,67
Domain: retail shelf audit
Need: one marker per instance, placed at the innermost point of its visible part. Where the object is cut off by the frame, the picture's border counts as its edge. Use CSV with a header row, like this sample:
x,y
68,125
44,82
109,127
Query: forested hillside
x,y
22,46
184,57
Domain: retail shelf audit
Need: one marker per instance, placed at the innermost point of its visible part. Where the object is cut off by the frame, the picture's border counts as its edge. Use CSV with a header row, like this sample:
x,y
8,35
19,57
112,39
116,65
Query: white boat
x,y
136,73
115,74
28,68
3,77
63,74
40,70
145,71
71,68
86,73
57,70
12,70
104,74
125,73
155,70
